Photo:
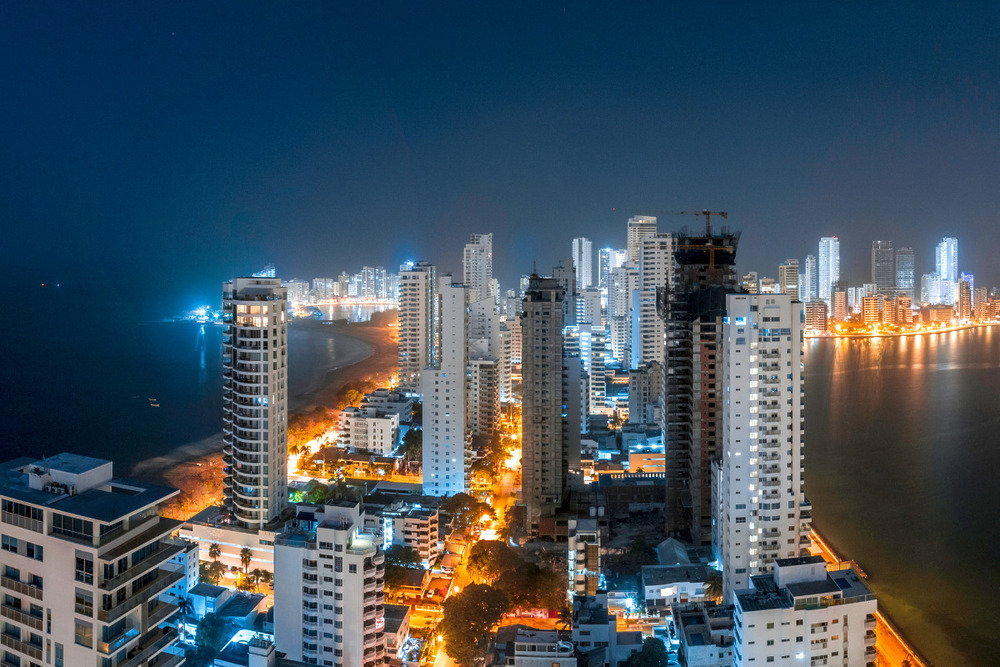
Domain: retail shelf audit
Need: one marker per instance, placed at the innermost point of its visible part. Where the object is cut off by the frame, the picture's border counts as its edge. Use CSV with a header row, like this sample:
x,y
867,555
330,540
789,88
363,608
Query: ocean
x,y
101,380
903,470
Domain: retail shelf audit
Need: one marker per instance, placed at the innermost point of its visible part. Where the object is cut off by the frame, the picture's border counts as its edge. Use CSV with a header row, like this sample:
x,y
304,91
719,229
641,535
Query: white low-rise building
x,y
664,585
806,613
84,560
705,634
541,648
369,429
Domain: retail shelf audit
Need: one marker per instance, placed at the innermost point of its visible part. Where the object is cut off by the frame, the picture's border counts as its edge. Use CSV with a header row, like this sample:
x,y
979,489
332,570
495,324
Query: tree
x,y
653,654
214,551
185,607
246,556
465,510
413,444
213,633
713,586
468,622
489,559
398,559
266,577
532,587
212,571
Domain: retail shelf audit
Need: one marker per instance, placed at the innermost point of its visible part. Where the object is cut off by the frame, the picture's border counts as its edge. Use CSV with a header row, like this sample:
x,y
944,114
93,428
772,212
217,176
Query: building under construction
x,y
692,307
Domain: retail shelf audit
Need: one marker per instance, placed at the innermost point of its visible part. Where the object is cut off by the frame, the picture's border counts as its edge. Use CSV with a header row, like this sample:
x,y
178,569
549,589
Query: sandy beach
x,y
366,352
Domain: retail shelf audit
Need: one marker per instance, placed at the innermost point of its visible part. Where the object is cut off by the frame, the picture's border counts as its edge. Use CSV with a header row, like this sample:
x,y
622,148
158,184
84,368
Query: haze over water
x,y
903,470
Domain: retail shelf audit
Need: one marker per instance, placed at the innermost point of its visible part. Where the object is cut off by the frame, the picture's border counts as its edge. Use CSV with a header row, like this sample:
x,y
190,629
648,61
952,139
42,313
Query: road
x,y
891,649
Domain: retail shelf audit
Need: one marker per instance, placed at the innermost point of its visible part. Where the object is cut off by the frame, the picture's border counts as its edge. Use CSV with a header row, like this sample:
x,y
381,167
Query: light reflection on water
x,y
903,470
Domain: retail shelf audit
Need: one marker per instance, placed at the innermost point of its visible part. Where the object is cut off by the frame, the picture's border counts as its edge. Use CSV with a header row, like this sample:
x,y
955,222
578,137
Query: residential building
x,y
805,612
255,400
705,632
297,291
609,259
964,303
477,267
693,308
624,283
419,323
328,590
656,261
809,280
815,312
761,510
583,262
946,265
750,283
870,313
445,446
85,558
583,556
540,648
639,227
413,527
369,429
828,270
645,387
840,309
486,373
904,271
788,277
588,343
883,267
666,585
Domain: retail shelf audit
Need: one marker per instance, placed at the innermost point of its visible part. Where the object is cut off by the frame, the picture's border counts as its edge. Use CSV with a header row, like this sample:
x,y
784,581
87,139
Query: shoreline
x,y
195,468
901,334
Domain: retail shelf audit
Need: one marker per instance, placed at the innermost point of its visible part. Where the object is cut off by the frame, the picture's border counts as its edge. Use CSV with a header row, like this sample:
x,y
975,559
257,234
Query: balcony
x,y
121,640
152,643
870,622
869,654
151,529
19,615
870,638
31,650
164,580
155,559
21,587
22,521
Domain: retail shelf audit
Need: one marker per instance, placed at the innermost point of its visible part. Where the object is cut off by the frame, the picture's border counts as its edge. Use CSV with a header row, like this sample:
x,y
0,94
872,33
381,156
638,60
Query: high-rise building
x,y
639,227
828,269
297,290
809,280
946,264
550,447
869,310
930,288
816,316
964,303
805,613
609,259
583,262
656,263
85,557
883,267
624,282
329,580
445,439
750,283
255,400
904,271
761,511
419,322
477,266
588,342
840,308
486,372
693,307
788,277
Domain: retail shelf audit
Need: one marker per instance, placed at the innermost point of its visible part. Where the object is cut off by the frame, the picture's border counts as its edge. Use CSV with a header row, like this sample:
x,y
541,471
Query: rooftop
x,y
658,575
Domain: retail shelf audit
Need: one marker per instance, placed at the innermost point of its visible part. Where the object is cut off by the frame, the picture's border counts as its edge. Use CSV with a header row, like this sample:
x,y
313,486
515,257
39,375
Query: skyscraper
x,y
255,400
550,446
443,387
883,267
693,307
946,263
788,277
583,262
477,266
904,271
418,323
656,262
761,511
639,228
609,259
809,279
828,271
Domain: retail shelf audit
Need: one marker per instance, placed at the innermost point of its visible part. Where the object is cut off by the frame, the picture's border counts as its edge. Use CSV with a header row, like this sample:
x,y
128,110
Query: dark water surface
x,y
903,470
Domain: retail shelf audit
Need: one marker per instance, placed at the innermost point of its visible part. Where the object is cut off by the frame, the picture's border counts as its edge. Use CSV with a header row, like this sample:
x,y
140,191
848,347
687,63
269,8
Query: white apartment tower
x,y
828,271
255,400
761,512
656,265
488,373
444,392
329,578
608,259
477,266
418,323
808,288
639,227
583,262
85,557
788,277
946,263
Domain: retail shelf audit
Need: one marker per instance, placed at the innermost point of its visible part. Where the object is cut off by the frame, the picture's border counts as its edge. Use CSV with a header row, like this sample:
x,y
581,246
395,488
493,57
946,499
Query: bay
x,y
903,470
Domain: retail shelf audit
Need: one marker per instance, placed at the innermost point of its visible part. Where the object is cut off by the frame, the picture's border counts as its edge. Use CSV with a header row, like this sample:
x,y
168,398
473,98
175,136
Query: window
x,y
84,634
352,568
84,602
71,526
9,544
34,551
84,570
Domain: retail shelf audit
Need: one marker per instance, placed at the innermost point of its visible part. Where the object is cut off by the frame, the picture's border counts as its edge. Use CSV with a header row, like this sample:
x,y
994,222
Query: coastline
x,y
901,334
196,468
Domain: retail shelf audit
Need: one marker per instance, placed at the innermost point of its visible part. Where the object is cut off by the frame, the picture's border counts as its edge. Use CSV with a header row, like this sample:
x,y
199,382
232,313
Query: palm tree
x,y
565,617
185,607
215,571
713,586
267,578
250,581
246,556
214,551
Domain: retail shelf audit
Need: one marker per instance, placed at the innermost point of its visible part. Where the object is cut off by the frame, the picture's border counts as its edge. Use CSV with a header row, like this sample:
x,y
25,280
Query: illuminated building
x,y
905,310
964,304
588,307
706,634
869,310
930,288
477,266
583,554
486,372
329,577
816,316
768,286
805,613
883,267
639,227
413,527
840,310
946,265
255,400
85,557
419,321
583,262
760,506
809,280
298,290
587,343
550,408
750,283
624,282
828,270
979,302
788,277
904,271
693,307
368,429
645,385
609,259
890,311
656,262
445,440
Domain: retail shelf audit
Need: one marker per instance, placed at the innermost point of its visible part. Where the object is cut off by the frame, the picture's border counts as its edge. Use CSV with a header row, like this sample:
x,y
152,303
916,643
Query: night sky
x,y
173,144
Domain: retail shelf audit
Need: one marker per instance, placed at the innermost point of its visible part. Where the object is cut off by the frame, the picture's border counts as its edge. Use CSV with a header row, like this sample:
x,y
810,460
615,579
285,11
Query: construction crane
x,y
708,216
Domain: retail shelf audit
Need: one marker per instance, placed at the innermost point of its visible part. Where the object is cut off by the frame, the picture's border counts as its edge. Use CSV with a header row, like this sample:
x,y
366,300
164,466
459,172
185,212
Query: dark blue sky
x,y
171,144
